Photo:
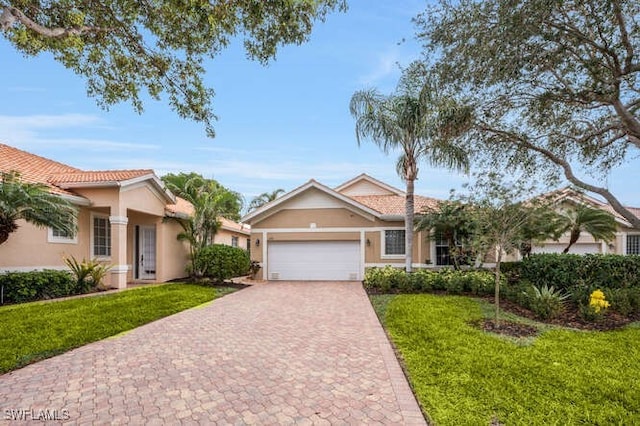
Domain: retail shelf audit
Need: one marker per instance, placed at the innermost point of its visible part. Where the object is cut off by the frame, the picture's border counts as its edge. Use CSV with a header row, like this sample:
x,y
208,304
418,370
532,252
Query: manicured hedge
x,y
222,262
19,287
568,271
395,280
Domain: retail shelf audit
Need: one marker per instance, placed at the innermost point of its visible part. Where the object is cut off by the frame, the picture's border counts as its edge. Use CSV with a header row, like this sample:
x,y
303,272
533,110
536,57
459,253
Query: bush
x,y
569,271
391,279
221,262
385,279
546,302
88,273
19,287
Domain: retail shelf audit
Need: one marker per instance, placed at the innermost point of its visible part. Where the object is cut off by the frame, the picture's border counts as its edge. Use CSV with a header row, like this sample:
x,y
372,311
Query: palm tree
x,y
599,223
210,201
409,120
264,198
33,203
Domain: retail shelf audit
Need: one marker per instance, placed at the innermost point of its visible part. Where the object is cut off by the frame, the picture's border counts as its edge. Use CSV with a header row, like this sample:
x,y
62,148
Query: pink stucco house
x,y
123,219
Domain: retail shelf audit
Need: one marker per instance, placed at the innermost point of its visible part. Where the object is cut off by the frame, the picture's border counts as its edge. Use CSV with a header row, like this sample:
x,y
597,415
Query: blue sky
x,y
278,125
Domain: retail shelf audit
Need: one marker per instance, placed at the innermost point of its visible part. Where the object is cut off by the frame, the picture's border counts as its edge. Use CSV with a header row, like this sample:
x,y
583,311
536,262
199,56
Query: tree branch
x,y
10,15
568,172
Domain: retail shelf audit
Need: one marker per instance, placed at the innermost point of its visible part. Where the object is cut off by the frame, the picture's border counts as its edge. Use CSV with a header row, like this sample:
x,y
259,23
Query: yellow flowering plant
x,y
597,301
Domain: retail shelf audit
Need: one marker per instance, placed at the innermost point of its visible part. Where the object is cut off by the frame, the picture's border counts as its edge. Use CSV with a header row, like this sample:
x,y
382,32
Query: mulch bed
x,y
570,317
507,328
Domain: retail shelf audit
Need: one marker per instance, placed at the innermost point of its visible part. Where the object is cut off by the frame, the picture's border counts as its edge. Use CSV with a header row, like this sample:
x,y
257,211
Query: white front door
x,y
147,253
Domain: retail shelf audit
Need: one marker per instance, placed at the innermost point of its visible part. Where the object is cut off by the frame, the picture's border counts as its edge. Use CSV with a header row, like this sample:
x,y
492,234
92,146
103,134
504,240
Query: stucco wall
x,y
28,247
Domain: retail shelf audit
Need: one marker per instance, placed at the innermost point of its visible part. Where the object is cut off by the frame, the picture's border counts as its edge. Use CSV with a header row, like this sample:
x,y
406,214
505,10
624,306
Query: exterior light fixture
x,y
257,242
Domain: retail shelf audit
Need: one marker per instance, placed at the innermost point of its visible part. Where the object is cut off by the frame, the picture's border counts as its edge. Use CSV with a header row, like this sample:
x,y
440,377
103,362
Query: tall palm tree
x,y
599,223
410,120
264,198
33,203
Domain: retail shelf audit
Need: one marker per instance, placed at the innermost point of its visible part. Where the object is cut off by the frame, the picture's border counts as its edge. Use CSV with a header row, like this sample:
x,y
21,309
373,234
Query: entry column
x,y
119,251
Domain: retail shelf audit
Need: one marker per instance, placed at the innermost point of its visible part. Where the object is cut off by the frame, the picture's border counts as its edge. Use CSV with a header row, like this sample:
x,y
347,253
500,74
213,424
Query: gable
x,y
313,198
365,187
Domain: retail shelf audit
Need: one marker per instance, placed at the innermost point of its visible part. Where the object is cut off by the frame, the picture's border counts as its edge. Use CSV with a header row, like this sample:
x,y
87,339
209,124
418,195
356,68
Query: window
x,y
248,244
101,236
394,242
234,241
442,250
633,244
60,236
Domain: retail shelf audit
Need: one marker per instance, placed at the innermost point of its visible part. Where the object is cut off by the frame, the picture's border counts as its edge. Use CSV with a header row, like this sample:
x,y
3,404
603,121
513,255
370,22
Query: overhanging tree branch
x,y
11,15
567,170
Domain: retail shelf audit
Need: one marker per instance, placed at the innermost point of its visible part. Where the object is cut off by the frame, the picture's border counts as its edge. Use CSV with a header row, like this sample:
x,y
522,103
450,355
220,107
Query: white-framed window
x,y
100,236
234,241
393,243
633,244
59,236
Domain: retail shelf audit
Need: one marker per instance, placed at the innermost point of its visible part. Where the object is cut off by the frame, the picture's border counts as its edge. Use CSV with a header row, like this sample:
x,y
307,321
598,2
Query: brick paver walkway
x,y
278,353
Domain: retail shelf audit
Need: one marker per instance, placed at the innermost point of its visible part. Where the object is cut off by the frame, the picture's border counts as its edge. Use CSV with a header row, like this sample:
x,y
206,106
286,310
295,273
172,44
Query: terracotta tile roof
x,y
97,176
181,206
32,168
235,226
394,204
634,210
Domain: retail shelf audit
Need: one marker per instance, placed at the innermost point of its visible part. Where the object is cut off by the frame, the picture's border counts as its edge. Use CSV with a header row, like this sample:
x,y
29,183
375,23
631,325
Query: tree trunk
x,y
497,292
572,240
408,225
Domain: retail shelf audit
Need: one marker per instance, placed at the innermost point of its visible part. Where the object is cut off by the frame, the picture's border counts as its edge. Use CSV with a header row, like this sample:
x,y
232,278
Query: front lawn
x,y
462,375
33,331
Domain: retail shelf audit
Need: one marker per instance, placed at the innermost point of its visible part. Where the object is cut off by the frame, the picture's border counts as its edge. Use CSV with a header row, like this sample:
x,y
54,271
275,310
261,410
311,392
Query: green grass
x,y
33,331
463,376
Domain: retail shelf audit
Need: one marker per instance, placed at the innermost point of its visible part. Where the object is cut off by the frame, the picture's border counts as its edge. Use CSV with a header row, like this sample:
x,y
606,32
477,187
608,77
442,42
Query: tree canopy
x,y
264,198
124,49
554,85
33,203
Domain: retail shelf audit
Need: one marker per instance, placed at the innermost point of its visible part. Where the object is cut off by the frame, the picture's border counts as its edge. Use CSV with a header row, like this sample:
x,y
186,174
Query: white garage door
x,y
578,248
314,260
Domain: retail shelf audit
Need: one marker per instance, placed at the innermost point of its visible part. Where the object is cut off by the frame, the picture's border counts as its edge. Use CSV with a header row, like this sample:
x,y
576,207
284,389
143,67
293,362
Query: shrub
x,y
546,302
88,273
221,262
19,287
480,282
386,279
569,271
512,271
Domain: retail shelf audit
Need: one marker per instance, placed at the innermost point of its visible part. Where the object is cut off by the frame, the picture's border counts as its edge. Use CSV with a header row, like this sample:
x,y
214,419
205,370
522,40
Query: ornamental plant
x,y
597,301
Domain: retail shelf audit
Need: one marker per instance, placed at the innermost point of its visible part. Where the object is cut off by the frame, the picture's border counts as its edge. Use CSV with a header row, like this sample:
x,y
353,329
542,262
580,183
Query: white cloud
x,y
30,131
386,66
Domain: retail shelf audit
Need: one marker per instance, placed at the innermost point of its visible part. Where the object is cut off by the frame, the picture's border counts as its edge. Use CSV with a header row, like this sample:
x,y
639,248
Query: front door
x,y
147,253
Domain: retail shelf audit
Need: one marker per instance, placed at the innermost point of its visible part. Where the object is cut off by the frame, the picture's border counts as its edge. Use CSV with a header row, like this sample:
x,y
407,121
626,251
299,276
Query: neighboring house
x,y
124,220
627,239
233,234
318,233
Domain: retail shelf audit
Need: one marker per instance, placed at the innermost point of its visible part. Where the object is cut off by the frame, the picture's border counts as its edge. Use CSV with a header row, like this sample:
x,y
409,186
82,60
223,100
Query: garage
x,y
578,248
314,260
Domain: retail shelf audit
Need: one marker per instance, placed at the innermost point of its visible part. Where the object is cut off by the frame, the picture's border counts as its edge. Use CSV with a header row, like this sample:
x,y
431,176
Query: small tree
x,y
452,221
33,203
500,214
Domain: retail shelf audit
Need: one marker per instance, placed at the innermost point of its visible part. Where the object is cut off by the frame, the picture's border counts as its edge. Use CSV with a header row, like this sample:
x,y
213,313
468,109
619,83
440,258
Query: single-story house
x,y
627,240
124,219
318,233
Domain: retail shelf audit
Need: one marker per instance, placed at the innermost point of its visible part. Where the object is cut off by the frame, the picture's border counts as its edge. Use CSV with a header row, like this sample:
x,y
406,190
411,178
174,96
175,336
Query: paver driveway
x,y
278,353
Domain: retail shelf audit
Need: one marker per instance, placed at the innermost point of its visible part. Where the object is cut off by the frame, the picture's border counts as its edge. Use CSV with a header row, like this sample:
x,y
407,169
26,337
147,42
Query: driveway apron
x,y
277,353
